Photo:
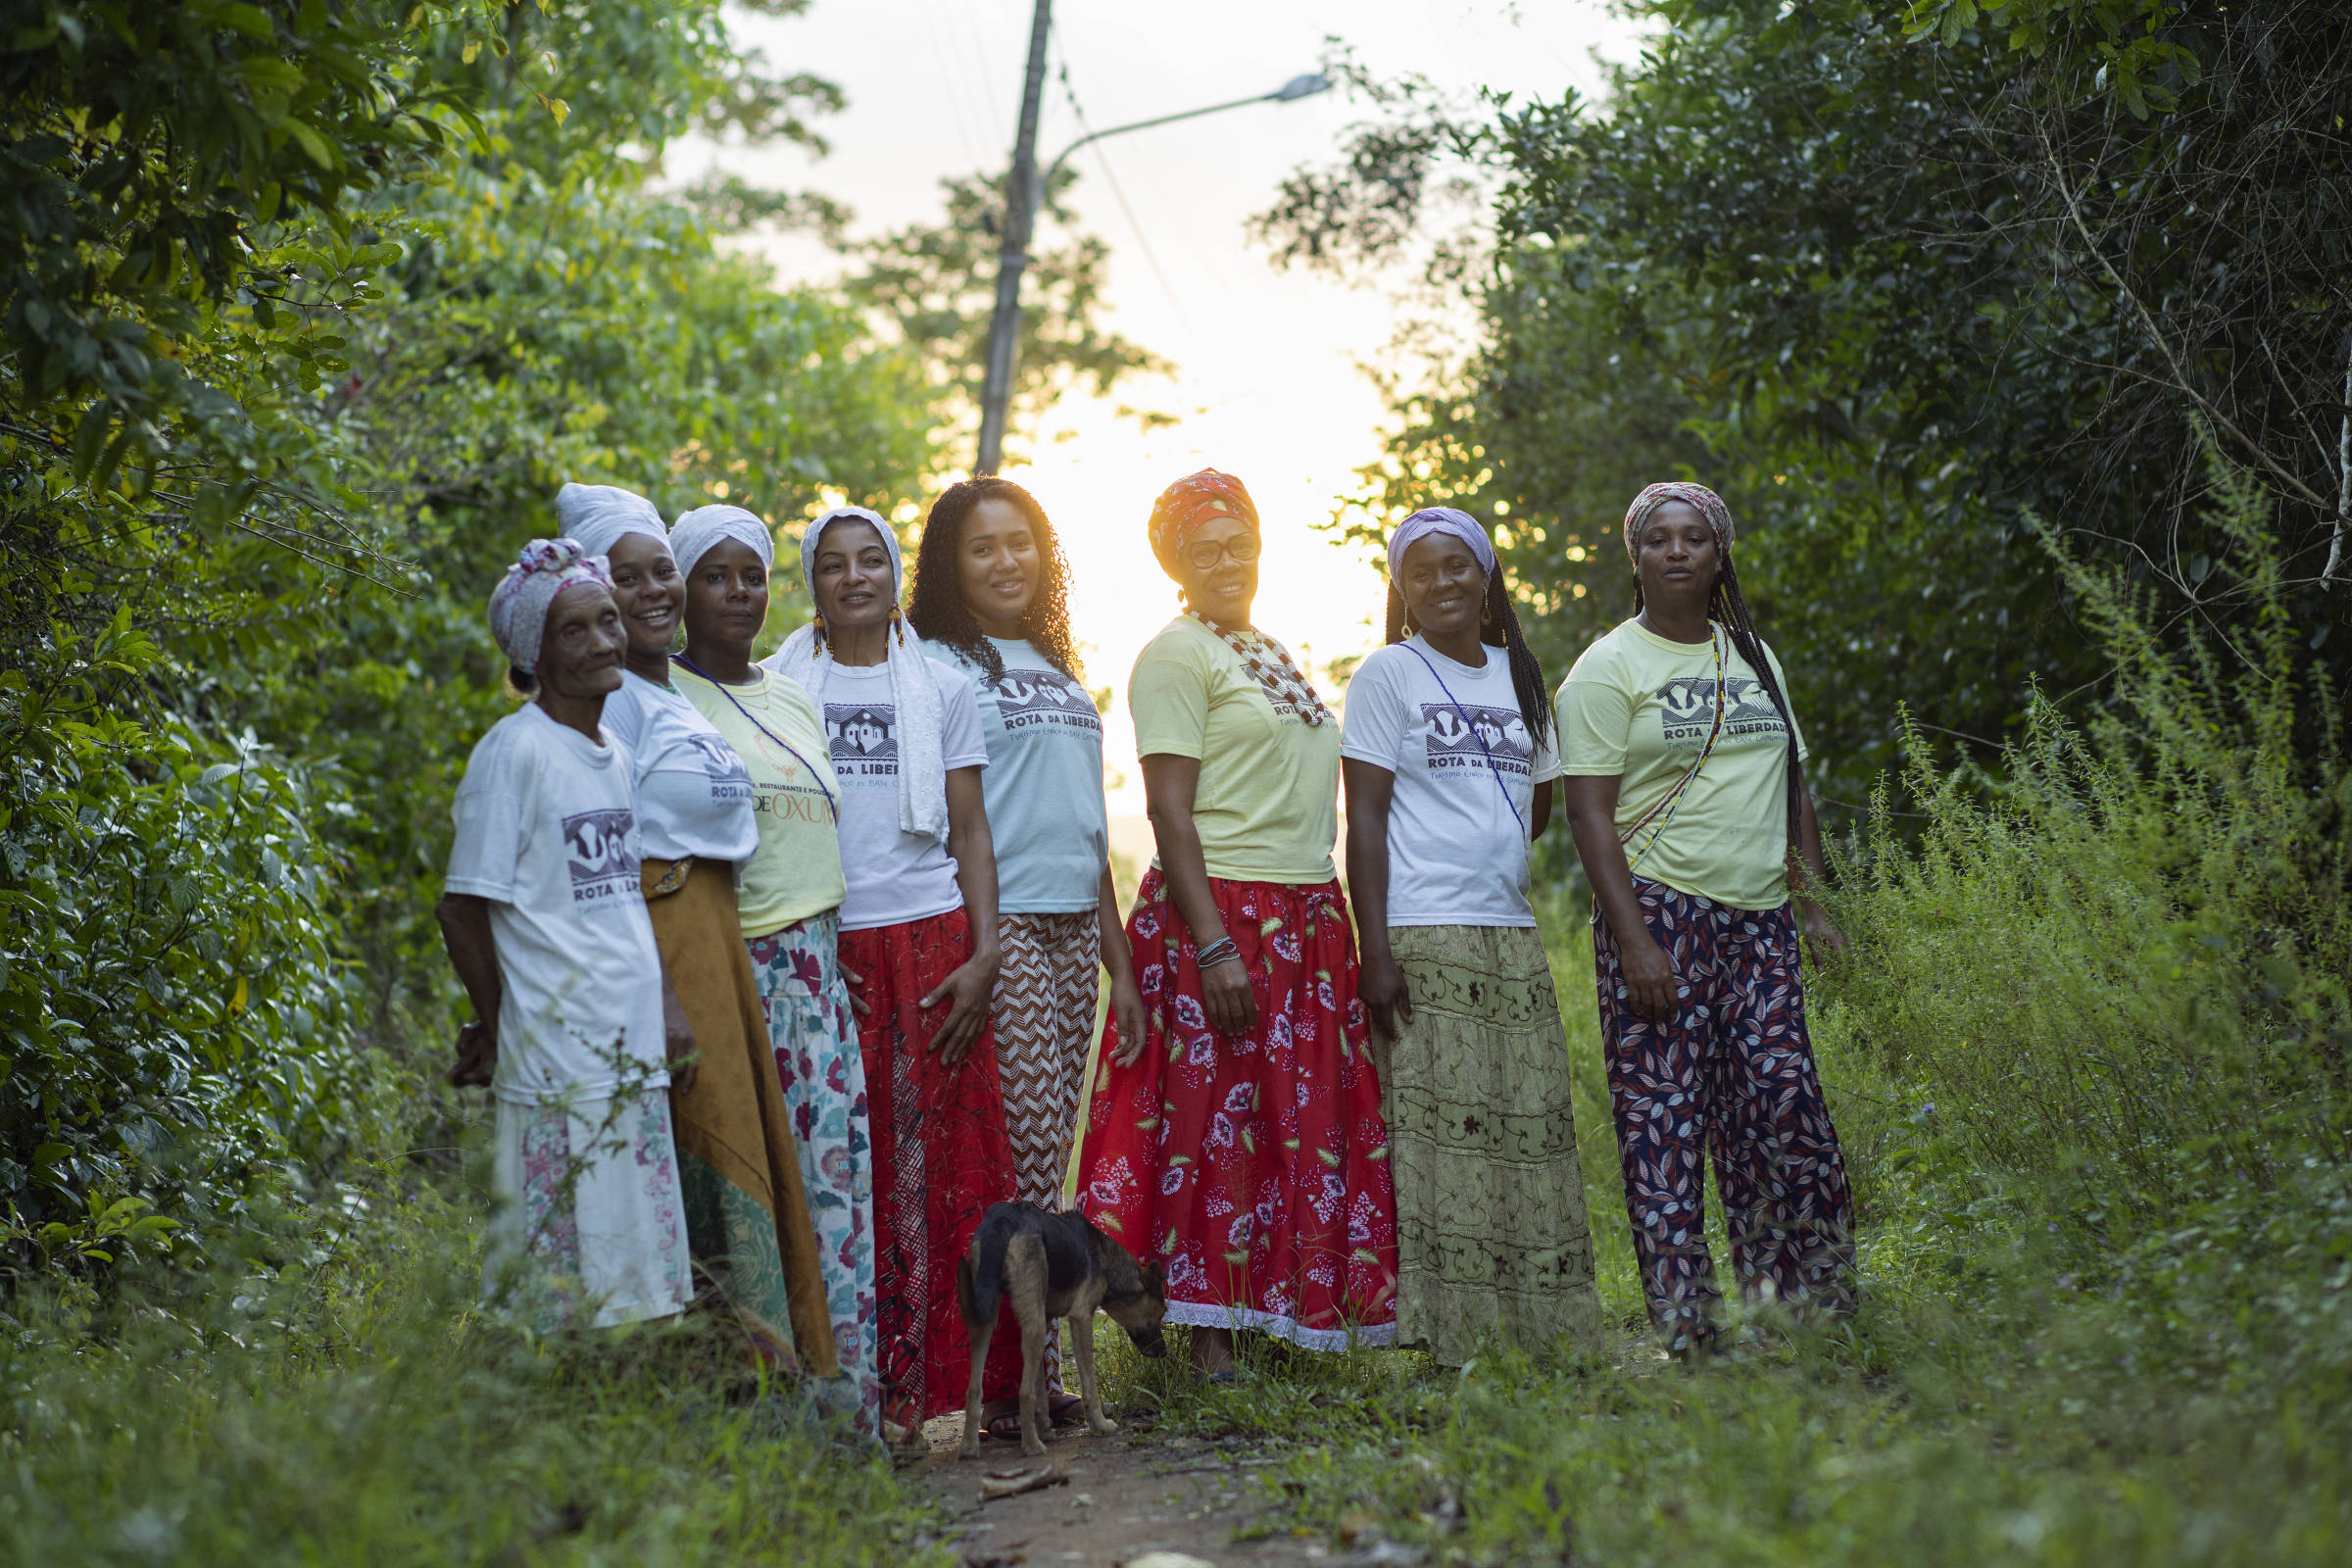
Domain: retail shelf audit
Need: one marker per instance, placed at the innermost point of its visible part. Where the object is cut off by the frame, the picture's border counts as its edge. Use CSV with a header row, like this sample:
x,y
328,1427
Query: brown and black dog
x,y
1050,1265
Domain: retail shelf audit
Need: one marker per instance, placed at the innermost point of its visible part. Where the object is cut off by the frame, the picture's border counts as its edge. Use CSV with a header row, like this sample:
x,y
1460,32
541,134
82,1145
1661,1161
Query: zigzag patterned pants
x,y
1732,1075
1046,988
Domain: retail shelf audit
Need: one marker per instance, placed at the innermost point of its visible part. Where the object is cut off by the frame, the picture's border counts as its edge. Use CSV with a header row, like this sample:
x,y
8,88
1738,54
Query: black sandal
x,y
1005,1425
1066,1409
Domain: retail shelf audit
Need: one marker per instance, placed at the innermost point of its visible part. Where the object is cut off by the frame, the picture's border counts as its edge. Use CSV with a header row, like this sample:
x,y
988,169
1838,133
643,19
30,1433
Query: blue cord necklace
x,y
1493,768
814,777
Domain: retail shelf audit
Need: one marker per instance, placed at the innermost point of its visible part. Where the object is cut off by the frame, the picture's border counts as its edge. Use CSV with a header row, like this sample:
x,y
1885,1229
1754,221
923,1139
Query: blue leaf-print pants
x,y
1732,1075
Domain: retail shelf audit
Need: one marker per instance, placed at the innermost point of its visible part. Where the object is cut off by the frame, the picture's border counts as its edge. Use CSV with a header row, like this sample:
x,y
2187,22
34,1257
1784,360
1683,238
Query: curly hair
x,y
935,607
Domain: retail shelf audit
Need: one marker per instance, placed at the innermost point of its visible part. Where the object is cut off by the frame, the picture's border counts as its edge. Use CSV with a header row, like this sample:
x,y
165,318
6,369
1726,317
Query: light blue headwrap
x,y
1440,520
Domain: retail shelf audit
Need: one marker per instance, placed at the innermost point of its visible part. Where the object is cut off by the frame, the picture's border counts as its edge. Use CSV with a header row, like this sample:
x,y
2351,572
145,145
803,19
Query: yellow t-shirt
x,y
1267,805
1639,706
795,872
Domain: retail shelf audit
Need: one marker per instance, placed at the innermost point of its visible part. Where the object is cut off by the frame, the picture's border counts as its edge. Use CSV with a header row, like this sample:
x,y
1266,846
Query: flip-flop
x,y
1067,1409
1005,1425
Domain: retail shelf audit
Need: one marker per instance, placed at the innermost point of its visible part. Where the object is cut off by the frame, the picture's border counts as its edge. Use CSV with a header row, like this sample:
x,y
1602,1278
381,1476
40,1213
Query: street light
x,y
1021,203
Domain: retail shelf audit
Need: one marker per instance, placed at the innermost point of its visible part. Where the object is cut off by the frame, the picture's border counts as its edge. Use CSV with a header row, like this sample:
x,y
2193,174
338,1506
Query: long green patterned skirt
x,y
1491,1232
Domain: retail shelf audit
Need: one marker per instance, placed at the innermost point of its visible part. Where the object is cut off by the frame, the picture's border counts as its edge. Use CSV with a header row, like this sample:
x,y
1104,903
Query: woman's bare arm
x,y
474,952
1371,789
1650,979
972,986
1169,784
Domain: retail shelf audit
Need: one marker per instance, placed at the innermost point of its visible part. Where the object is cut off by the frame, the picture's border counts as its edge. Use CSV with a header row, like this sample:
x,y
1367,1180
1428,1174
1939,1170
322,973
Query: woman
x,y
1237,1138
919,938
990,600
573,1018
789,909
1685,794
1449,759
746,1215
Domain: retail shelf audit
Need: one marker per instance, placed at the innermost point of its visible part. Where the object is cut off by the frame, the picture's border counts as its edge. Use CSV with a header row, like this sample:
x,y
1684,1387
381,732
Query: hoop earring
x,y
1486,613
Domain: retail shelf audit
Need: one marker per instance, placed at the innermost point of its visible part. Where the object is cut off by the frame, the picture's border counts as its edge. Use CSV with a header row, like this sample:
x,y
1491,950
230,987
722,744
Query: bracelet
x,y
1218,951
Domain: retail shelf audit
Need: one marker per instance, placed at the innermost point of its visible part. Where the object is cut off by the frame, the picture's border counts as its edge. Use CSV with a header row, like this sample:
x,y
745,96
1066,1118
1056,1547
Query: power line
x,y
1142,239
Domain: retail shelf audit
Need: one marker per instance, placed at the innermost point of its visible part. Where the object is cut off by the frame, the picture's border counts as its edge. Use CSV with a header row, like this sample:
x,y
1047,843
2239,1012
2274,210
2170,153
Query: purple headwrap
x,y
520,604
1440,520
1705,502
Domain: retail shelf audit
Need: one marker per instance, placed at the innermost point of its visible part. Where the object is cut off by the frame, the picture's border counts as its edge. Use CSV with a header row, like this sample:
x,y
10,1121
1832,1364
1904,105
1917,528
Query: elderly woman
x,y
1687,798
1449,759
747,1217
992,599
1239,1138
574,1019
789,909
919,942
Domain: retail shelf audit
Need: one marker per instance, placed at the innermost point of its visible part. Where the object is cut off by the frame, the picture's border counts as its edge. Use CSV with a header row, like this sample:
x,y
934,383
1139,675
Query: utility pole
x,y
1020,218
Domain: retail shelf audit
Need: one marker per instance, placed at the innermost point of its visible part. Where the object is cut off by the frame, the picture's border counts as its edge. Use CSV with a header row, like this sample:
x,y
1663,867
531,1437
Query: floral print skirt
x,y
591,1227
814,1035
1255,1168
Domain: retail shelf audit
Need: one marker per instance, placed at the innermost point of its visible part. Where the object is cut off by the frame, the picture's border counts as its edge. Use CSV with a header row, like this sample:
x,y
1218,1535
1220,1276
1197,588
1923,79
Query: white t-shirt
x,y
548,833
1458,854
694,795
894,876
1043,783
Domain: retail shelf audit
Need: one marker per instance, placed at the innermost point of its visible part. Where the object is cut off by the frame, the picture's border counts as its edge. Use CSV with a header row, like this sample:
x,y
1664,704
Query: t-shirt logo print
x,y
720,760
604,862
862,738
1453,743
1027,699
1686,711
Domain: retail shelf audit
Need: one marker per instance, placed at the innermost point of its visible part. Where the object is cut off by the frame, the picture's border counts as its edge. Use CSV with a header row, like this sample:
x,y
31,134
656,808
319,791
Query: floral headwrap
x,y
518,606
1189,504
1704,501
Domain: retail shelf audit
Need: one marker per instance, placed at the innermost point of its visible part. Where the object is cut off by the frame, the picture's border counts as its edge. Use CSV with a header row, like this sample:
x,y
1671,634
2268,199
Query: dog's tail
x,y
979,1283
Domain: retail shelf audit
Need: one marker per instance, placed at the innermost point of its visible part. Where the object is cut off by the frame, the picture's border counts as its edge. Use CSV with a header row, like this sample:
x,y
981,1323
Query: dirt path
x,y
1127,1497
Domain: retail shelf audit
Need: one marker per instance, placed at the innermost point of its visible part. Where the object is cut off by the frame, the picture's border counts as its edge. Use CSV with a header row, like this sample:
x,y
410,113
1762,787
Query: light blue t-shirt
x,y
1044,784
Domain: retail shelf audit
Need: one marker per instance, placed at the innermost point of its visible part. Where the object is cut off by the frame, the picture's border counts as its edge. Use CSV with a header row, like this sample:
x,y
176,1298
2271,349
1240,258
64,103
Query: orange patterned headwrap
x,y
1190,503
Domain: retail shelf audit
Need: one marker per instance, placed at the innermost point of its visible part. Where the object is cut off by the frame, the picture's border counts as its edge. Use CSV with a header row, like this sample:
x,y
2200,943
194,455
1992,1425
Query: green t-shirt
x,y
1268,805
795,872
1639,706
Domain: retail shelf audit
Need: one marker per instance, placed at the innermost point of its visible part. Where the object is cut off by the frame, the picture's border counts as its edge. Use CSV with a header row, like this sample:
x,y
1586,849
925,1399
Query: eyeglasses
x,y
1241,547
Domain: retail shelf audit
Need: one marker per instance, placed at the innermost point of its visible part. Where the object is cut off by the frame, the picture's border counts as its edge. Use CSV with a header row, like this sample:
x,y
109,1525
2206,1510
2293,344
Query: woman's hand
x,y
1823,936
1381,987
477,1055
1127,1016
1650,980
1225,993
856,985
970,990
677,1040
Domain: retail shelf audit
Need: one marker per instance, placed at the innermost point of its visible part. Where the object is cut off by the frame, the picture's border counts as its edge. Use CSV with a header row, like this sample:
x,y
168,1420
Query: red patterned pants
x,y
1730,1075
940,1158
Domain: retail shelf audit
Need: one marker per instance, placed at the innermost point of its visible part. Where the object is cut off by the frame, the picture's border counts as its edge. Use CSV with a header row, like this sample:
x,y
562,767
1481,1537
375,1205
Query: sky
x,y
1269,379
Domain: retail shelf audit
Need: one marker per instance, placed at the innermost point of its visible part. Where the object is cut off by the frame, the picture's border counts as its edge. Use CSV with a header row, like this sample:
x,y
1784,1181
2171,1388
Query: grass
x,y
366,1413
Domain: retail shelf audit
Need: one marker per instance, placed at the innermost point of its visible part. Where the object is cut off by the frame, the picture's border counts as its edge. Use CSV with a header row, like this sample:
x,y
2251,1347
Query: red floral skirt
x,y
940,1157
1255,1168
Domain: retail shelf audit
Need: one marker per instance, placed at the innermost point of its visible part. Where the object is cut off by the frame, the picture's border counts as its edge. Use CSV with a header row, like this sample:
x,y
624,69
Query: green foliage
x,y
243,641
1892,294
349,1407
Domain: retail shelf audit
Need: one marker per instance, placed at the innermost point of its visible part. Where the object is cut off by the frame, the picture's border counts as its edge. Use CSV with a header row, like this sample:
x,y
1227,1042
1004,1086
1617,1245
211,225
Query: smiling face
x,y
726,597
1224,589
997,566
1443,585
648,589
854,587
579,651
1675,556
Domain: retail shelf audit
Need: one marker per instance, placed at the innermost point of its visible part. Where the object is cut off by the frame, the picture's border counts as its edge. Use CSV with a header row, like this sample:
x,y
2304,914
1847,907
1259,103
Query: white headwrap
x,y
1440,520
913,688
600,515
695,533
520,604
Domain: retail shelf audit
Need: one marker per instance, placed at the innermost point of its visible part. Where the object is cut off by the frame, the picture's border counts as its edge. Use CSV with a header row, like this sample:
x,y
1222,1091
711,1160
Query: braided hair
x,y
1527,675
936,608
1728,605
